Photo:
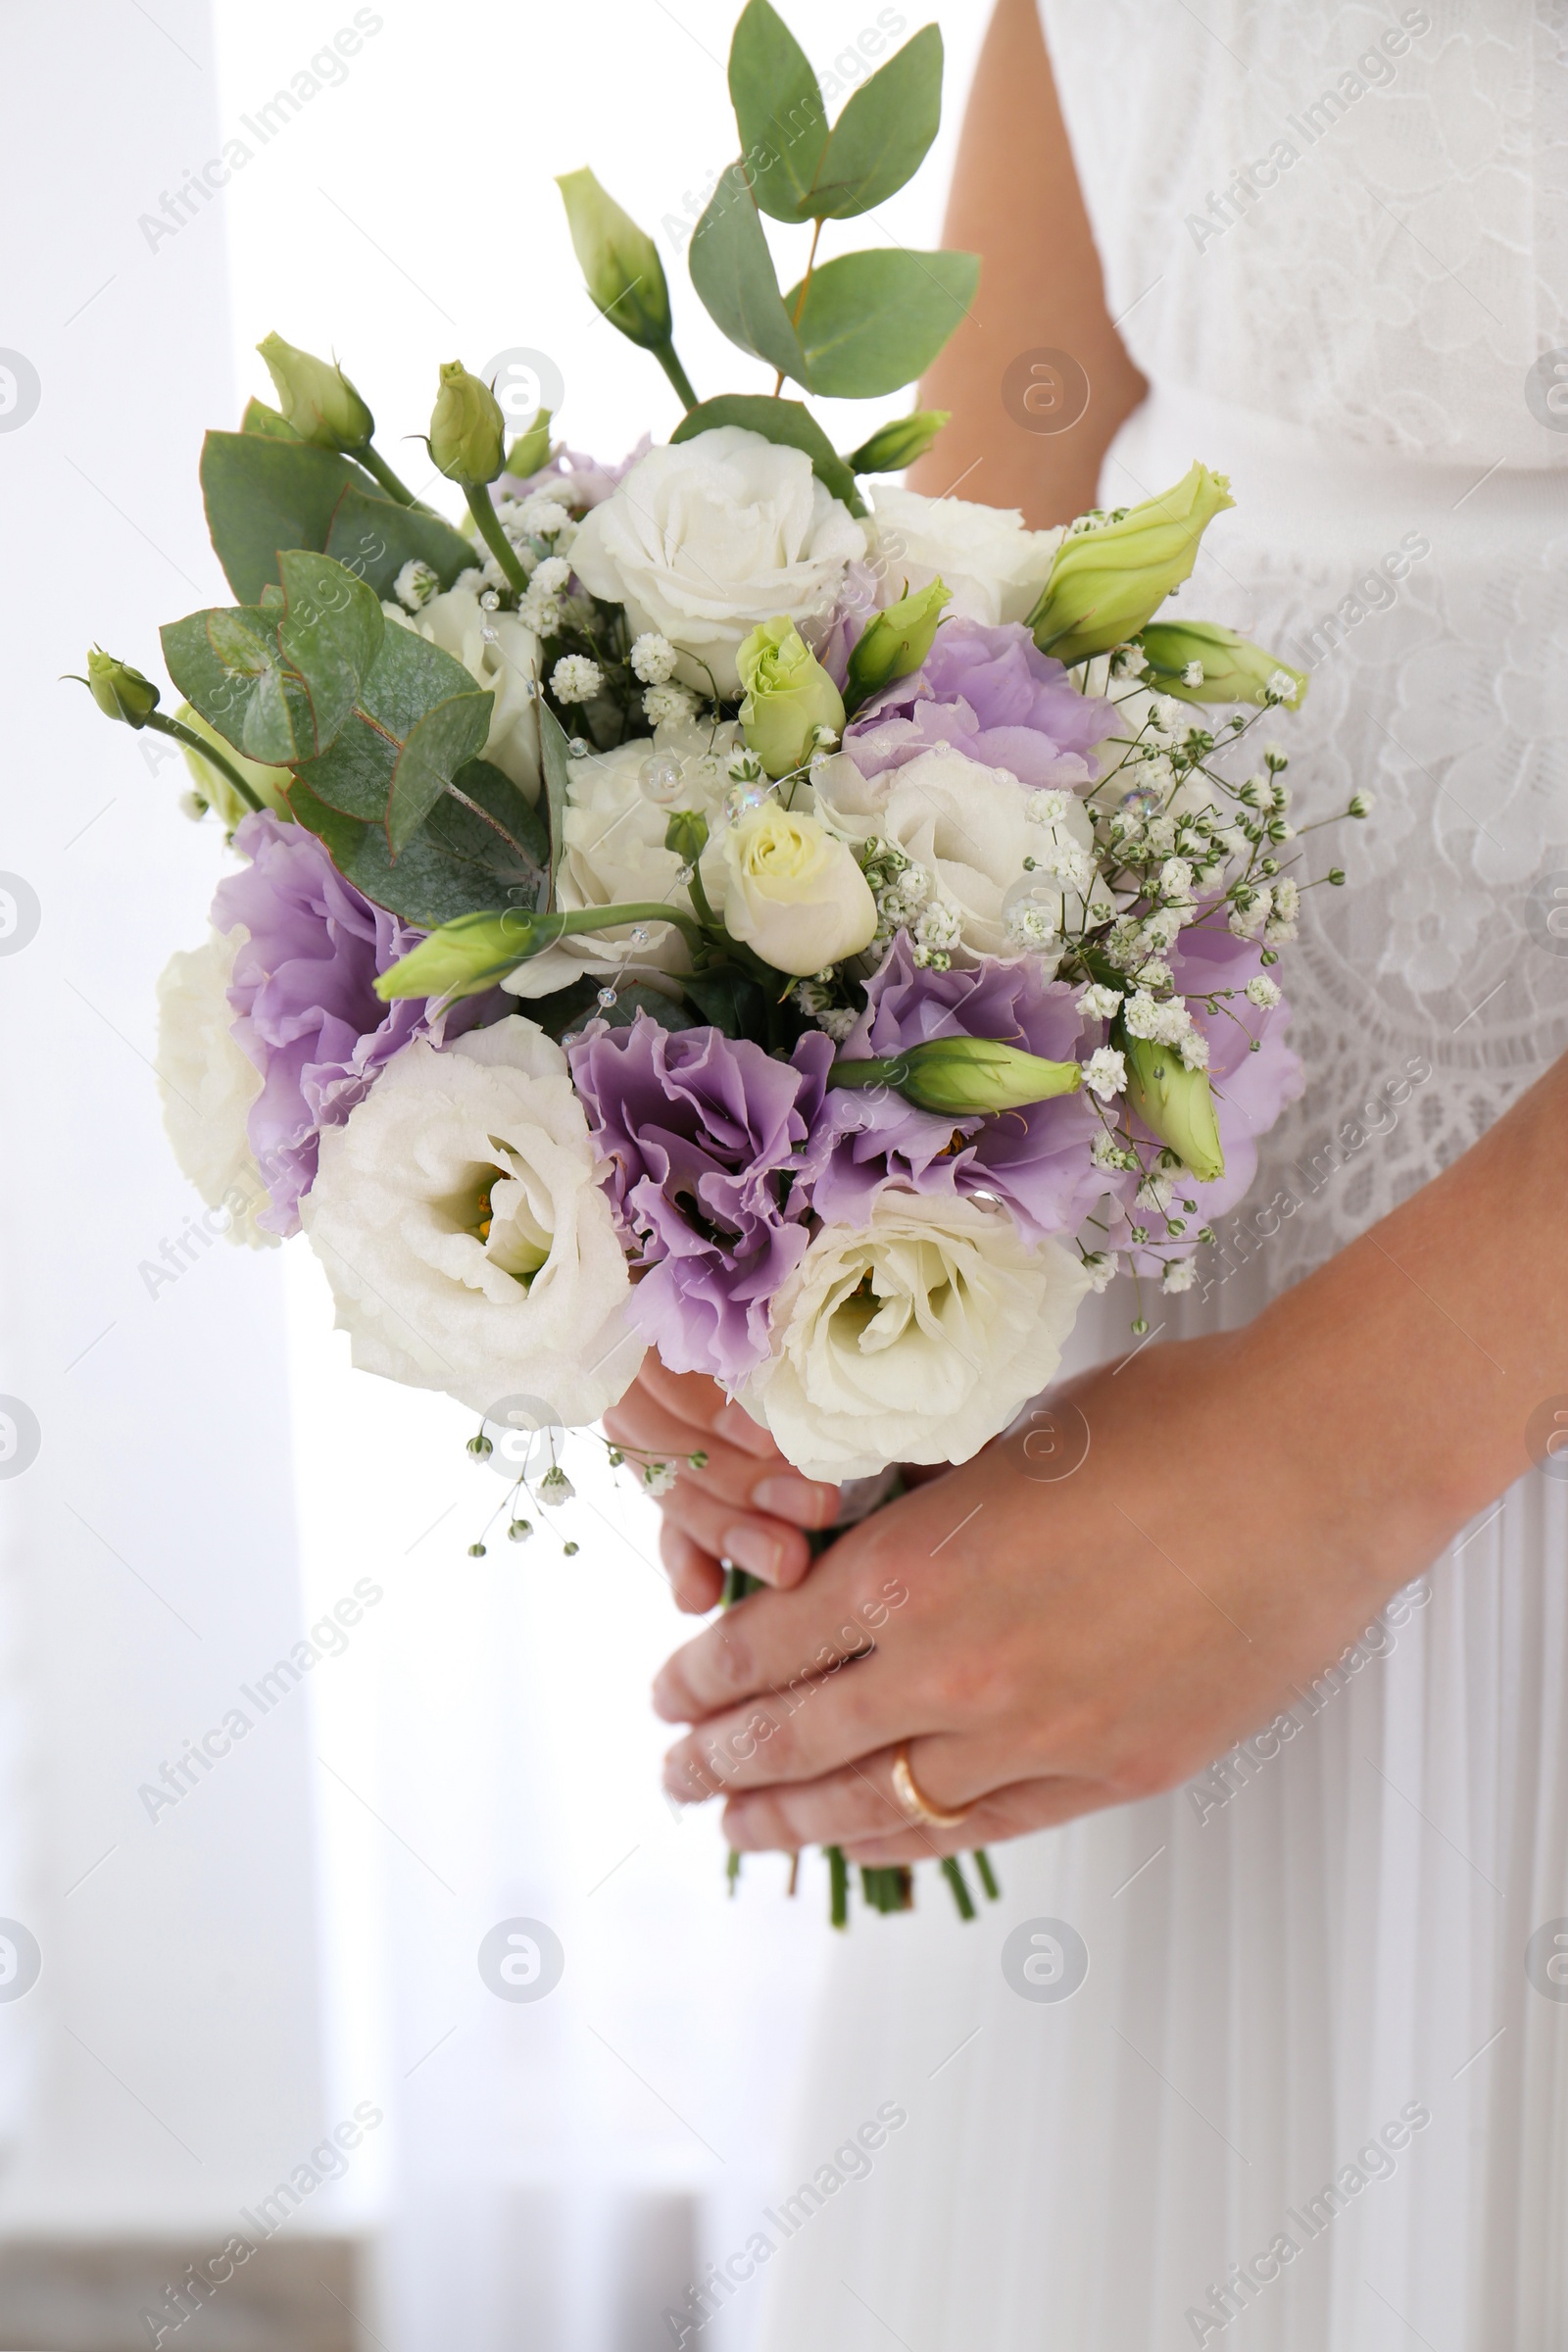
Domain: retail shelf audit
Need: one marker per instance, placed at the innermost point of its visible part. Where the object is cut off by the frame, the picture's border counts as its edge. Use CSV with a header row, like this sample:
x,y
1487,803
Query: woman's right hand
x,y
746,1504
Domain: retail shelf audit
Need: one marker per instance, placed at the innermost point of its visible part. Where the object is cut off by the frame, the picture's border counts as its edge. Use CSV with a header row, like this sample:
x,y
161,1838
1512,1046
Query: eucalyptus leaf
x,y
260,419
882,138
226,663
330,633
732,1001
418,719
496,792
264,494
733,273
779,110
873,322
785,422
456,864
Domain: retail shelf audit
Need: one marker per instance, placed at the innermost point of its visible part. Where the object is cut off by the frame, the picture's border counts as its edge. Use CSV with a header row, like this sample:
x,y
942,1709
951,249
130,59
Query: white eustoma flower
x,y
707,537
499,653
470,1247
970,826
914,1338
993,566
792,891
615,855
208,1086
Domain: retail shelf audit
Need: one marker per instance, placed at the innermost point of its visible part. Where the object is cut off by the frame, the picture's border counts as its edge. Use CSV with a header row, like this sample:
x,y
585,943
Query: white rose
x,y
464,1232
616,854
915,1339
507,663
994,567
704,539
969,826
208,1086
792,891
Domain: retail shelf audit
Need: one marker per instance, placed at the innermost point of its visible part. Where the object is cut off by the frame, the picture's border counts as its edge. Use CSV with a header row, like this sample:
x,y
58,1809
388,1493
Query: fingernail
x,y
796,1499
752,1547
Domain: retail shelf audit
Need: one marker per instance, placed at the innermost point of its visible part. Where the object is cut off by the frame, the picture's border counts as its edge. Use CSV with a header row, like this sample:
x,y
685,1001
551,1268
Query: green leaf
x,y
263,494
873,322
418,719
330,633
779,109
226,663
260,419
733,273
786,421
629,1002
554,766
732,1001
455,866
881,139
495,791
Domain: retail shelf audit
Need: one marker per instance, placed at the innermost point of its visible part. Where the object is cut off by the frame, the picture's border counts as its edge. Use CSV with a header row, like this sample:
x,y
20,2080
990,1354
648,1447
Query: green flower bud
x,y
894,446
789,695
687,835
1106,583
895,642
1174,1103
463,958
531,450
316,398
964,1077
269,784
119,691
1234,670
622,266
468,431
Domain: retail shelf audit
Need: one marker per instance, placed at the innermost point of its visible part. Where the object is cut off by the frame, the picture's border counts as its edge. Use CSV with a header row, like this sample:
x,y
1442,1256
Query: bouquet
x,y
722,901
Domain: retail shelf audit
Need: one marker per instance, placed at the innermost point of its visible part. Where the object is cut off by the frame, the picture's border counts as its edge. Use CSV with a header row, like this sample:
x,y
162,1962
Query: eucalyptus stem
x,y
953,1871
192,742
669,360
482,509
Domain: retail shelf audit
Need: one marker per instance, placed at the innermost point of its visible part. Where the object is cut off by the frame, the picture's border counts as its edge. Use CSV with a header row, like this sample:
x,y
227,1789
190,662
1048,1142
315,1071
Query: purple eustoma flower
x,y
996,698
302,989
1036,1160
707,1136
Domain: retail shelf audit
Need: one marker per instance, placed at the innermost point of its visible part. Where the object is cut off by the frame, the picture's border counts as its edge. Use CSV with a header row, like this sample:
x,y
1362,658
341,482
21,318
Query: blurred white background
x,y
223,1983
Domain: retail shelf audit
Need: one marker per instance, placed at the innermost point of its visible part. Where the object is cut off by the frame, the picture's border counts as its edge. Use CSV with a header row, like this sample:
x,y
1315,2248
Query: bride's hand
x,y
745,1504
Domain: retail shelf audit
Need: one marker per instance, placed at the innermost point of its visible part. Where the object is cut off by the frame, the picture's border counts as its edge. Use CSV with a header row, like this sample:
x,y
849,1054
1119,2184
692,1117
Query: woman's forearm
x,y
1413,1361
1016,202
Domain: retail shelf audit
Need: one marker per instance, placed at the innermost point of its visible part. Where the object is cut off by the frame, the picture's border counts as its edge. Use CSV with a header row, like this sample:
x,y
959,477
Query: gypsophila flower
x,y
1047,808
1193,1047
1106,1073
934,935
660,703
1281,686
1180,1274
1234,842
1176,879
549,576
542,517
414,585
837,1022
539,613
1155,973
1163,1023
1030,927
1168,714
653,659
1157,1193
1193,674
1161,929
1261,991
1098,1004
1362,804
660,1478
1283,915
1102,1267
1251,910
575,679
555,1487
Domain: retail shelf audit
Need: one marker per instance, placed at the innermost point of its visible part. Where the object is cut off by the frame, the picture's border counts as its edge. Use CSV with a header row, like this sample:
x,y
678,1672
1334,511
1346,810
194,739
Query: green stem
x,y
667,358
370,458
732,1871
839,1879
198,743
953,1871
482,509
988,1876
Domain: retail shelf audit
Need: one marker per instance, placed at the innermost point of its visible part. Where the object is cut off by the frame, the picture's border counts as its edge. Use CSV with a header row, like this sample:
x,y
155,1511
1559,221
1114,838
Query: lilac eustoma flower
x,y
707,1136
1036,1160
302,989
996,698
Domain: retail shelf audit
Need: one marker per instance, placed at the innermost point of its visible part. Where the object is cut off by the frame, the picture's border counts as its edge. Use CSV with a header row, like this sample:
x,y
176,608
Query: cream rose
x,y
994,567
968,828
470,1247
793,891
506,663
208,1086
616,854
707,537
915,1339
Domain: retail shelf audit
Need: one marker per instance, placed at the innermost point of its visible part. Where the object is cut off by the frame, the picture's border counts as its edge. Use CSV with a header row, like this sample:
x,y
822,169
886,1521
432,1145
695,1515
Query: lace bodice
x,y
1352,346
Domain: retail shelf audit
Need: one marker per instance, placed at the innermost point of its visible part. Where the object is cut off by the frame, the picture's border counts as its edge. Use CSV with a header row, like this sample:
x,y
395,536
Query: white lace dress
x,y
1294,1960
